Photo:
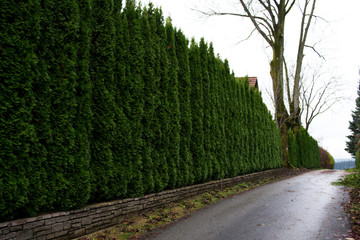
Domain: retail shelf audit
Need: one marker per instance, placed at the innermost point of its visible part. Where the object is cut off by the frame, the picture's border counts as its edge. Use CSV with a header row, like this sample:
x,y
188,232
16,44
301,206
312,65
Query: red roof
x,y
253,82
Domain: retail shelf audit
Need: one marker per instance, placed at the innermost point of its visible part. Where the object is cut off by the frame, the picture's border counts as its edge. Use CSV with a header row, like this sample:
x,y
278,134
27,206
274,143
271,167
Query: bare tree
x,y
268,19
318,95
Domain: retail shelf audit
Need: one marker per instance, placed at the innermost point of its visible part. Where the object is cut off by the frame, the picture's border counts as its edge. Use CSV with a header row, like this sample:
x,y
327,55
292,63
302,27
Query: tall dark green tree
x,y
149,104
352,146
215,134
82,120
173,105
221,107
186,175
20,173
197,113
59,57
103,103
161,120
207,103
122,133
135,88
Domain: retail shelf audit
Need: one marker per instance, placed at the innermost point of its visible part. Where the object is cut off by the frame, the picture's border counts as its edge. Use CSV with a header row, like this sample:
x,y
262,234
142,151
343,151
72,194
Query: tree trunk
x,y
276,72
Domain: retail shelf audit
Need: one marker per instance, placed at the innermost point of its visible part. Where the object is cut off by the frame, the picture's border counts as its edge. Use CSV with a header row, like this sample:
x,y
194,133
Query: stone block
x,y
61,233
17,222
25,234
67,225
86,221
16,228
57,227
43,233
32,225
75,225
9,236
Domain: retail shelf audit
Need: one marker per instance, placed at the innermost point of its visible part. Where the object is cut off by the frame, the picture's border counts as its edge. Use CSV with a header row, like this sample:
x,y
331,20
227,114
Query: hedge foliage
x,y
326,160
303,149
100,101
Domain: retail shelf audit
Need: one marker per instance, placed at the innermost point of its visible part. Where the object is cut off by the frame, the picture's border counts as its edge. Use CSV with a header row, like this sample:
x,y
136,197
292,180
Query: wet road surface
x,y
302,207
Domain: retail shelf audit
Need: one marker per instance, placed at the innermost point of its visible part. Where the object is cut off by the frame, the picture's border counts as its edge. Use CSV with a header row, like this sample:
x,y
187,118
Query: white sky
x,y
339,42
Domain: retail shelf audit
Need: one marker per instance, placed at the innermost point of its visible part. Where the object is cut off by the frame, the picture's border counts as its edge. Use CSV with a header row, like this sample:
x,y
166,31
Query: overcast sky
x,y
337,39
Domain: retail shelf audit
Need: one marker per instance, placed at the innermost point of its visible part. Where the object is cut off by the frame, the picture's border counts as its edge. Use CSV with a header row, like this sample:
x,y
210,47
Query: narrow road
x,y
302,207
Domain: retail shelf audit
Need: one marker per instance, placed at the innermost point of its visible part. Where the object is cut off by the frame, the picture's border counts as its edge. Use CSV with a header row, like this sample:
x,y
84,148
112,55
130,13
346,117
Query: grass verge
x,y
353,206
136,226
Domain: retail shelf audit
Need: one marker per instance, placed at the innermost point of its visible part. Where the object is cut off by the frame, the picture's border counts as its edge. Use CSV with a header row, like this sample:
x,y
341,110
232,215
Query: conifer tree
x,y
215,133
122,133
237,122
227,118
82,119
197,113
103,103
207,169
149,104
19,159
244,126
222,118
58,59
134,76
182,52
352,146
173,105
161,121
232,125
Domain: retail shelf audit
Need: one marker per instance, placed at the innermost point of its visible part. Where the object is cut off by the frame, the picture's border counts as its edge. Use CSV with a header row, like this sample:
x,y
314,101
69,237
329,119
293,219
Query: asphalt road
x,y
302,207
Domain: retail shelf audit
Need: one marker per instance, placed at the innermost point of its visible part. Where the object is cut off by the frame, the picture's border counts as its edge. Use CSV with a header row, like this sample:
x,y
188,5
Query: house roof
x,y
253,82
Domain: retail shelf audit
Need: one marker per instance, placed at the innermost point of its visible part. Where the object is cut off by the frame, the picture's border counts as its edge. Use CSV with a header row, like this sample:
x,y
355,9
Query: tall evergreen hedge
x,y
303,149
102,100
19,158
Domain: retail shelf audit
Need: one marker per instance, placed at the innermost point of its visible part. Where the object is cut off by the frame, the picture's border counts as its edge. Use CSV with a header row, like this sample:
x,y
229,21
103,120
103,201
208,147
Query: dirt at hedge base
x,y
353,207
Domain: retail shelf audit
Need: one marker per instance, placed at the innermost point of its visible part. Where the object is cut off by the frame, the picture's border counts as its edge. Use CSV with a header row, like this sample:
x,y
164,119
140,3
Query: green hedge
x,y
100,101
303,150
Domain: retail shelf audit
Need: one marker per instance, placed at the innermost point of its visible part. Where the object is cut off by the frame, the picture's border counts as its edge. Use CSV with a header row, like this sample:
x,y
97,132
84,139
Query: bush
x,y
326,160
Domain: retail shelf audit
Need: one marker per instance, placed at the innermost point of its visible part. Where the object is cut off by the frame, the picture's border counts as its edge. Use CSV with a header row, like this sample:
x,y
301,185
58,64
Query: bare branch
x,y
291,6
248,37
287,82
314,49
255,23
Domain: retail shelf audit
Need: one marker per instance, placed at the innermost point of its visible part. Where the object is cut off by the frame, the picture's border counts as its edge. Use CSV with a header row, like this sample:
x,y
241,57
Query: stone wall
x,y
71,224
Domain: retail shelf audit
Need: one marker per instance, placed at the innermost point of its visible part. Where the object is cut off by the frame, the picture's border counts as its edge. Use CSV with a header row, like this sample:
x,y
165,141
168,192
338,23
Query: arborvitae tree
x,y
82,120
197,113
185,175
222,116
249,129
227,116
134,76
244,126
20,174
215,134
352,146
59,56
161,174
232,125
103,103
293,151
122,138
207,170
149,104
172,94
237,122
308,150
